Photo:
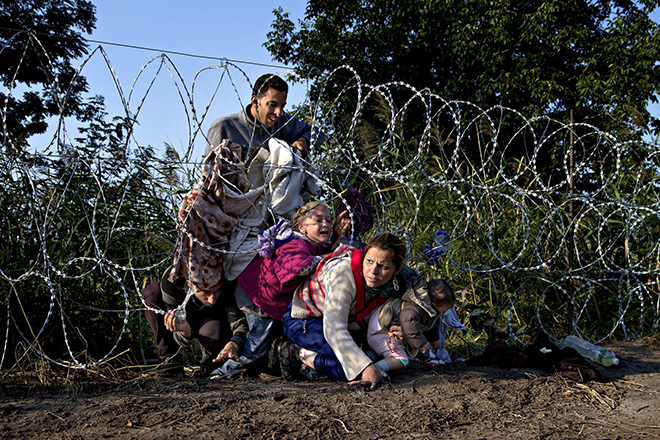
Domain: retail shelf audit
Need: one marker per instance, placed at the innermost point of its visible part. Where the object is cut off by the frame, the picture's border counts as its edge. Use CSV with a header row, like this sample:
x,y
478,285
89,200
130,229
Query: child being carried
x,y
418,312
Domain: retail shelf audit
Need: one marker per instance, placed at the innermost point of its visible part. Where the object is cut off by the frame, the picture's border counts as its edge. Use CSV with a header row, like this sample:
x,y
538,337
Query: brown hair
x,y
390,243
303,212
441,293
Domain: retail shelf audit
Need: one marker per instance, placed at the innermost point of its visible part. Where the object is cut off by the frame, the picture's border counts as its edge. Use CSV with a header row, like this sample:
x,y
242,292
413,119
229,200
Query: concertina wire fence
x,y
517,242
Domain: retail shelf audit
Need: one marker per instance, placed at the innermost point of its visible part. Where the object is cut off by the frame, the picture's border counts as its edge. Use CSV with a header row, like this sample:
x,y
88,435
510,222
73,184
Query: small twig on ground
x,y
364,404
639,387
171,422
196,402
641,426
50,413
619,423
343,424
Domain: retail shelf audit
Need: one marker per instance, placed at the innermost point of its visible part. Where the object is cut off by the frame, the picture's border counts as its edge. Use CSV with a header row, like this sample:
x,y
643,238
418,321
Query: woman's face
x,y
377,267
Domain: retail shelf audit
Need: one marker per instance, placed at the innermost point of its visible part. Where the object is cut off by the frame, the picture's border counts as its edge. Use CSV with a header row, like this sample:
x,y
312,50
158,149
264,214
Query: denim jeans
x,y
259,337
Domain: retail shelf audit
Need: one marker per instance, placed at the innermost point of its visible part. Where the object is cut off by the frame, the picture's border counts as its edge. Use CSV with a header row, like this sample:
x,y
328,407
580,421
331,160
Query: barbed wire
x,y
425,163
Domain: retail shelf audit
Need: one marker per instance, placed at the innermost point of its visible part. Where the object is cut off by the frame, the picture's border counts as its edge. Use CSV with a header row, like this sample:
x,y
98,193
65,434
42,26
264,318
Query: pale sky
x,y
232,30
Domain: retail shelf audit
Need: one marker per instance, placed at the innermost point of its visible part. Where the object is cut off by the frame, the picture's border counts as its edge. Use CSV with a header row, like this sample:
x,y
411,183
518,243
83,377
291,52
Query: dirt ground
x,y
453,401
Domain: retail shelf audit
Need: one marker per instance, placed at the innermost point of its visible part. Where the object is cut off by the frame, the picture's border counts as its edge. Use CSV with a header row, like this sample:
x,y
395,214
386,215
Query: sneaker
x,y
230,368
311,374
290,363
171,367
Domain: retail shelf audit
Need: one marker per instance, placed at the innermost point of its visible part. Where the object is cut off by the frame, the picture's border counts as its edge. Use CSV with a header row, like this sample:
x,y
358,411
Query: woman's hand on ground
x,y
370,377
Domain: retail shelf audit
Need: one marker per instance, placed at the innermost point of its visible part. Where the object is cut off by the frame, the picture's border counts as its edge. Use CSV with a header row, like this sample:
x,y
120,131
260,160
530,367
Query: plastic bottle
x,y
591,351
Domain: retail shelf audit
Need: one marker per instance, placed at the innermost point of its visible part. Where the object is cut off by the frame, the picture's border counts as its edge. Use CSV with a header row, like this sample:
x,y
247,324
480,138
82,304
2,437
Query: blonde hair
x,y
304,211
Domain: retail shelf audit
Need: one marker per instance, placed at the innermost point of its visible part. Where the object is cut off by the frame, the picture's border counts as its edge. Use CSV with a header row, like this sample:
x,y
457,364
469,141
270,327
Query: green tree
x,y
82,229
516,190
38,41
595,58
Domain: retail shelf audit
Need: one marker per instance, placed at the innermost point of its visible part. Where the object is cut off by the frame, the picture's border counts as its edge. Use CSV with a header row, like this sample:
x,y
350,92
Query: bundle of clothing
x,y
543,355
220,218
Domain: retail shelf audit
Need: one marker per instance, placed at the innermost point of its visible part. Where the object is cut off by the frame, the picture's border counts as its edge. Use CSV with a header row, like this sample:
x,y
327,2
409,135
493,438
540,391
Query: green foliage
x,y
598,59
30,29
98,219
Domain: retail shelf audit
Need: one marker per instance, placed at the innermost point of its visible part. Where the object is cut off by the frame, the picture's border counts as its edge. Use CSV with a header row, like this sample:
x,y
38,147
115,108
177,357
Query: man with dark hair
x,y
263,119
256,129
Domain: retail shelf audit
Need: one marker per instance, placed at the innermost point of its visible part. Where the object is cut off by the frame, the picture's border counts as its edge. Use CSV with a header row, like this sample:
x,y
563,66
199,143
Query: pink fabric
x,y
386,346
270,282
381,342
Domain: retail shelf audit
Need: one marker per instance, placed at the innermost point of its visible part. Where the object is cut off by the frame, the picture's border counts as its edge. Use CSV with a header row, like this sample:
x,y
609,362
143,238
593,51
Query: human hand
x,y
396,332
370,377
230,351
425,348
302,145
175,323
435,345
342,222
